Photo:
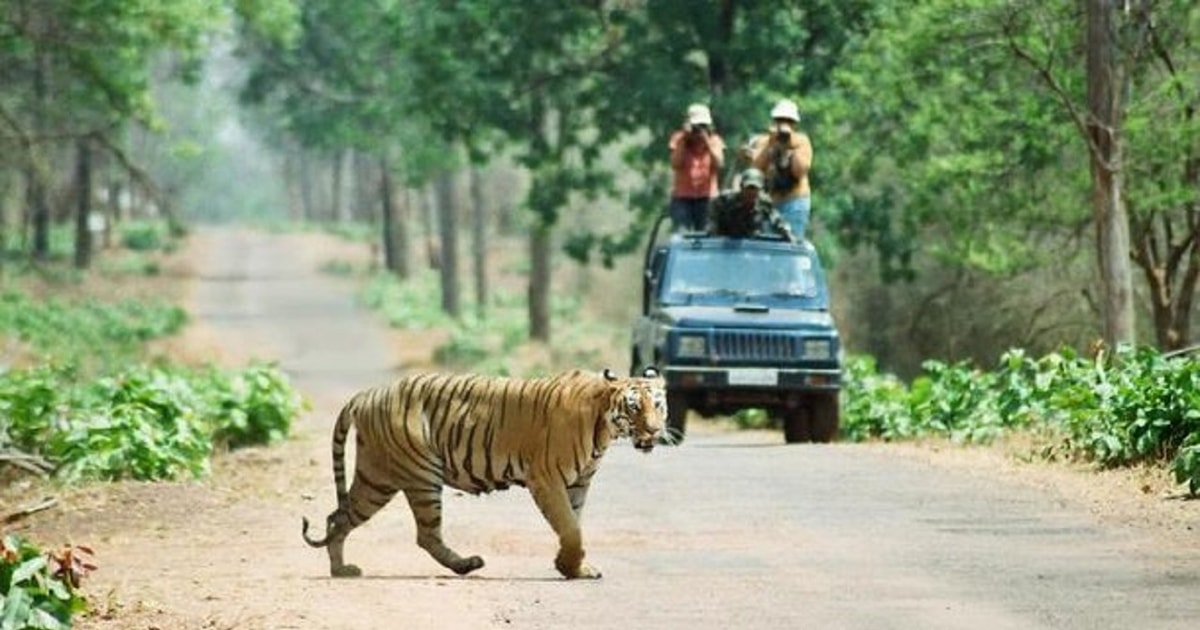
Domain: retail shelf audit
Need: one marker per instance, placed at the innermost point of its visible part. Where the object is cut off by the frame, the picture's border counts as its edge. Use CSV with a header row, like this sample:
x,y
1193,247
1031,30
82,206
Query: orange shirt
x,y
696,170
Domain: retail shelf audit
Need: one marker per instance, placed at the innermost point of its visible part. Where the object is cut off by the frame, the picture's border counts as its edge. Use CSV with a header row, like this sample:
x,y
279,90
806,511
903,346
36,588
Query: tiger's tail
x,y
340,517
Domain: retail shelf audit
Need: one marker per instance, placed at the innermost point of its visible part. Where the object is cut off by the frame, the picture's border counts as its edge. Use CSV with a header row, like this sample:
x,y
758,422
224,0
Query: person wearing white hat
x,y
697,155
785,154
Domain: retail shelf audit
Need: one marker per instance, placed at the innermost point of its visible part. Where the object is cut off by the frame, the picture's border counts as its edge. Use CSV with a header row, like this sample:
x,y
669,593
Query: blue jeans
x,y
796,212
688,214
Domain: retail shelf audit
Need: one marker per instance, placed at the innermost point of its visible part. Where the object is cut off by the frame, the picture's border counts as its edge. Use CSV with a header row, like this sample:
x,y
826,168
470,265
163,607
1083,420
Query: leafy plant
x,y
1116,409
144,422
140,424
254,406
88,331
143,236
39,590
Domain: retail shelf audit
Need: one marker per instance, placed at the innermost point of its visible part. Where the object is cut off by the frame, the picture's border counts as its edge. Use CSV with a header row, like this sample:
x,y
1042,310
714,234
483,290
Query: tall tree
x,y
972,133
1106,84
84,69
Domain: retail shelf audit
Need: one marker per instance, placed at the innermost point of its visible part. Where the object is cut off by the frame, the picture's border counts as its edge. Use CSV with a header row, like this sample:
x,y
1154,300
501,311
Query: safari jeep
x,y
736,323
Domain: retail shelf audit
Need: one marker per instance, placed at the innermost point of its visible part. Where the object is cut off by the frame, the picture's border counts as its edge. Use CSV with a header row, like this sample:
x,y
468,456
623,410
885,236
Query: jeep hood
x,y
745,316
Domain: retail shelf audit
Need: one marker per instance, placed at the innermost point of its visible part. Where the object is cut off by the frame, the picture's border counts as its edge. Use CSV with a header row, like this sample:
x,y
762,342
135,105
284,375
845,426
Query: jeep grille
x,y
757,346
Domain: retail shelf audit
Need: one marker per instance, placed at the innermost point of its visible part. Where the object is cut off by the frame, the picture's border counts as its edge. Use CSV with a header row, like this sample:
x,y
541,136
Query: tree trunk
x,y
387,215
39,205
308,197
364,188
337,204
718,69
479,242
404,235
1104,81
448,211
539,282
427,196
83,209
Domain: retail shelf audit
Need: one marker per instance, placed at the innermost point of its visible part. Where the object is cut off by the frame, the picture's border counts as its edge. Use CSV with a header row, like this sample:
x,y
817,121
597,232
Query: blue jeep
x,y
736,323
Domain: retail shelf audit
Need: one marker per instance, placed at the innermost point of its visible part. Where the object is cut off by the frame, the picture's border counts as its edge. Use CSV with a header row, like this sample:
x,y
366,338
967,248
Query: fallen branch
x,y
46,504
31,463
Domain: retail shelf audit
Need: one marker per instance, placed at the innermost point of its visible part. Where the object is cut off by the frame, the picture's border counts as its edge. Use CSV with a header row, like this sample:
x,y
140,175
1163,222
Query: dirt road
x,y
730,530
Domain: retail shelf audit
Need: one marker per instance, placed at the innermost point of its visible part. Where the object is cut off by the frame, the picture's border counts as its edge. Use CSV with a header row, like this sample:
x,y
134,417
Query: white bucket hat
x,y
698,114
786,109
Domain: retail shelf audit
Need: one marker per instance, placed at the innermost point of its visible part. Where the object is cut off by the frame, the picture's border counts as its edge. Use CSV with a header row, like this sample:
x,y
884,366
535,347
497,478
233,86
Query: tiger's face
x,y
640,411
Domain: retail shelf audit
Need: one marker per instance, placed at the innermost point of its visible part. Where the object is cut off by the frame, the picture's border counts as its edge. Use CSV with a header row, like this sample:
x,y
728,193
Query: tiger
x,y
478,434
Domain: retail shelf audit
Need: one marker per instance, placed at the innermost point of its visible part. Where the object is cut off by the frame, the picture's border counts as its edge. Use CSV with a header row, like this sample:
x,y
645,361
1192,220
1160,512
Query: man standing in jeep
x,y
746,212
697,155
785,155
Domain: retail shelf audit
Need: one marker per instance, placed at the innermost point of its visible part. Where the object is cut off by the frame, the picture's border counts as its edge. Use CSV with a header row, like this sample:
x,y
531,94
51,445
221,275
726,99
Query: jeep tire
x,y
797,424
677,409
825,417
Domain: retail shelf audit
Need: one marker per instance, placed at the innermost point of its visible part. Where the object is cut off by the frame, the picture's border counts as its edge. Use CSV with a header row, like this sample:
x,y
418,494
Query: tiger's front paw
x,y
576,569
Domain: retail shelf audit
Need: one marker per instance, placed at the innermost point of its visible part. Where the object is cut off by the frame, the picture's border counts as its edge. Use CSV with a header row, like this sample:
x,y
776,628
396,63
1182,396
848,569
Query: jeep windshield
x,y
723,276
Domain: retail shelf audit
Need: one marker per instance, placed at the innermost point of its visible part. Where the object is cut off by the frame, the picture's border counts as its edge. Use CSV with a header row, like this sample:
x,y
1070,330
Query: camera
x,y
784,134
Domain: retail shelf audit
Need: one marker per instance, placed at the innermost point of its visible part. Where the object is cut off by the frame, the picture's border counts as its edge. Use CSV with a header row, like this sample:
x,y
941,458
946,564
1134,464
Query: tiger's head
x,y
638,407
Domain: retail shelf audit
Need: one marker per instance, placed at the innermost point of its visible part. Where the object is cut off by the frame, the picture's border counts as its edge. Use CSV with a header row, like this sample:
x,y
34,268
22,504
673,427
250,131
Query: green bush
x,y
254,406
1119,409
142,423
90,331
40,589
411,305
144,236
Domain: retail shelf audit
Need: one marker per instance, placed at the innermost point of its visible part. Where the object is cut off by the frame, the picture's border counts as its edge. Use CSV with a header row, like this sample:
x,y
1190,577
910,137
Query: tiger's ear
x,y
650,372
609,375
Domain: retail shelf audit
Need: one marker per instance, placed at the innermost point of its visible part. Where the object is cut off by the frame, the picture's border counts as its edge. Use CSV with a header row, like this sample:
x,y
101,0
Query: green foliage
x,y
90,331
411,305
39,590
875,405
144,236
253,406
1116,410
142,422
482,344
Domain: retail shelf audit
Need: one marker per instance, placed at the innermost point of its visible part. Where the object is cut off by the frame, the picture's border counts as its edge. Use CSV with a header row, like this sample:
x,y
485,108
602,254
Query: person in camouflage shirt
x,y
746,212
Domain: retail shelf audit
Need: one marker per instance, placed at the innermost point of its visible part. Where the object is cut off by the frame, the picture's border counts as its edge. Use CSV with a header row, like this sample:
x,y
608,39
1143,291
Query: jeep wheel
x,y
825,417
677,409
797,425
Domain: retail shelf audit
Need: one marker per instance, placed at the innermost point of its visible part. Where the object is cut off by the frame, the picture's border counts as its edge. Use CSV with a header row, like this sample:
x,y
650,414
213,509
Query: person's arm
x,y
775,220
802,155
716,148
782,226
677,149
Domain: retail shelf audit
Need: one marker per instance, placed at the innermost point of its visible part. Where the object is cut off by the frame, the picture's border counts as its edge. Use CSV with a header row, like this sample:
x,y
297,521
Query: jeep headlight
x,y
818,349
693,346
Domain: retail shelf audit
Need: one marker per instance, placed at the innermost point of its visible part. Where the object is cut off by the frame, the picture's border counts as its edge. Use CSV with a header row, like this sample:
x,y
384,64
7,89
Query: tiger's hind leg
x,y
337,528
427,512
365,498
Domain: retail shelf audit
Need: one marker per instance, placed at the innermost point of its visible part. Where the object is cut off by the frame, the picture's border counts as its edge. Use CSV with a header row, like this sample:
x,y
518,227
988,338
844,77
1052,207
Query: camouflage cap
x,y
752,177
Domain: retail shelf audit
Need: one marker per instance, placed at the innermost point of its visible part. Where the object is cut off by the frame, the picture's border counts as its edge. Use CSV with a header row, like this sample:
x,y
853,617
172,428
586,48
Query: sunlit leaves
x,y
1115,410
144,423
38,589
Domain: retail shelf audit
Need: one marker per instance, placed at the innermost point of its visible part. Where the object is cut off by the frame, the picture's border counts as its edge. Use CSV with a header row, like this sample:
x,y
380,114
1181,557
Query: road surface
x,y
729,530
